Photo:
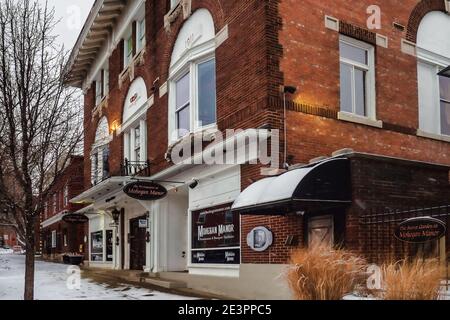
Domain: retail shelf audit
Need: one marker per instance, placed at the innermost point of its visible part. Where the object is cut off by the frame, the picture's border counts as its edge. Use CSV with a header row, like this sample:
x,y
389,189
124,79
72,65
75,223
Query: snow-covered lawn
x,y
5,251
51,279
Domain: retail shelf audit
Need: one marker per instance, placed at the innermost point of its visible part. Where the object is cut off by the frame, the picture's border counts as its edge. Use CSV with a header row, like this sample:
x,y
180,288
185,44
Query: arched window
x,y
100,153
433,52
134,124
192,77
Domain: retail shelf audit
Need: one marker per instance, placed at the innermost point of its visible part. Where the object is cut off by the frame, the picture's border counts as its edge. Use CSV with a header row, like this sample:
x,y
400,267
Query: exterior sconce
x,y
116,216
114,126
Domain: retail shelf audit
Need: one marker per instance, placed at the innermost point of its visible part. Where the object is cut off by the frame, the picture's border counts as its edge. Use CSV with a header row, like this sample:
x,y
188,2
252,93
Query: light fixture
x,y
115,215
194,184
445,72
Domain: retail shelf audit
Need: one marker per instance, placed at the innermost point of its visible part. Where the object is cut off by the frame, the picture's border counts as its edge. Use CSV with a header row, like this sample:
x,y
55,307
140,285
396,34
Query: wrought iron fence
x,y
135,168
379,244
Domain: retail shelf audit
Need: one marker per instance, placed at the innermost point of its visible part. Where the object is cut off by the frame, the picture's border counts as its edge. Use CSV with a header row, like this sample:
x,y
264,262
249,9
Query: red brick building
x,y
327,76
8,237
57,236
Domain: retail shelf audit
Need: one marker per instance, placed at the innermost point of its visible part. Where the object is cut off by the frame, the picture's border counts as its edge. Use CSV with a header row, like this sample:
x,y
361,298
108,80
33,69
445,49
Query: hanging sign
x,y
260,239
75,218
146,191
420,230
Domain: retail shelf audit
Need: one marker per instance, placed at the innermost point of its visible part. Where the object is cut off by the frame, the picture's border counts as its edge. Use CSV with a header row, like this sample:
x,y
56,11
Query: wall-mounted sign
x,y
420,230
215,229
143,223
146,191
260,239
75,218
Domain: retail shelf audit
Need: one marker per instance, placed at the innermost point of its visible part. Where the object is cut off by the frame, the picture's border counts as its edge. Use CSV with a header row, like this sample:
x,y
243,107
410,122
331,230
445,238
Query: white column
x,y
126,146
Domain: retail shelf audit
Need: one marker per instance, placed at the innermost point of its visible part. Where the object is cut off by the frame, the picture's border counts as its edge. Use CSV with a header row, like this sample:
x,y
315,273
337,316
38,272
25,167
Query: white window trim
x,y
439,62
129,141
138,24
189,63
371,118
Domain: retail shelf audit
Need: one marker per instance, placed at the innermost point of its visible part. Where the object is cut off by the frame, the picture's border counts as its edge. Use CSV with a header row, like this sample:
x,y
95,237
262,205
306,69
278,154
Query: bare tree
x,y
40,119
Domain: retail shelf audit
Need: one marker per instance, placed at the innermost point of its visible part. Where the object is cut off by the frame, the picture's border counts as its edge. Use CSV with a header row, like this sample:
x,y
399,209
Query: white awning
x,y
108,187
327,182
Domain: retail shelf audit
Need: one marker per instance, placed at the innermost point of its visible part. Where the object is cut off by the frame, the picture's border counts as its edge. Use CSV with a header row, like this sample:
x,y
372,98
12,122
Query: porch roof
x,y
109,186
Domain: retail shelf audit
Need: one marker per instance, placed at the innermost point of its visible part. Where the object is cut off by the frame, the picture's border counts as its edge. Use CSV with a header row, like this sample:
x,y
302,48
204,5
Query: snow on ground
x,y
6,251
51,279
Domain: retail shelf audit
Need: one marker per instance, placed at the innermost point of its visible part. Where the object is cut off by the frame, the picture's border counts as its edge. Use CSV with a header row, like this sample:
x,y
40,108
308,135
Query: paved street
x,y
51,279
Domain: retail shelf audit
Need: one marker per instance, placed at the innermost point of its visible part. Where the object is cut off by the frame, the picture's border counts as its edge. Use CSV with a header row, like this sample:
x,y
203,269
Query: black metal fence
x,y
379,244
135,168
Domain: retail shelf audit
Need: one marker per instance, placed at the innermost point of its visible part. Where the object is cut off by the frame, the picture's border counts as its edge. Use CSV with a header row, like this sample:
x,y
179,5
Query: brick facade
x,y
72,177
271,44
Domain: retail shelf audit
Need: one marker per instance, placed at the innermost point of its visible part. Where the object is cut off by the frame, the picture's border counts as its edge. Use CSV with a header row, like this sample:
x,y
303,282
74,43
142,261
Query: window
x,y
55,203
192,77
137,144
100,153
54,239
128,51
444,93
357,77
65,238
66,195
45,210
140,35
433,55
183,101
97,246
173,3
101,86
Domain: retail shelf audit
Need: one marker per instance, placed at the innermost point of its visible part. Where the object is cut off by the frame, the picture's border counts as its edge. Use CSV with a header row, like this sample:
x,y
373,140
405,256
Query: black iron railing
x,y
135,168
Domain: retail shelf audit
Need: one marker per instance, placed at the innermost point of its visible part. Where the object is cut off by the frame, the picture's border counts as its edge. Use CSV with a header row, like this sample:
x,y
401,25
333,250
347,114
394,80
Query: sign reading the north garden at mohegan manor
x,y
420,230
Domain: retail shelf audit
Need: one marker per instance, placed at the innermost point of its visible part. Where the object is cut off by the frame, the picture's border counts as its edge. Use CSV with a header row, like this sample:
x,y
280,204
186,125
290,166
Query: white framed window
x,y
100,153
128,50
54,239
65,239
66,195
135,141
140,34
444,99
357,78
55,203
192,78
173,3
433,55
101,85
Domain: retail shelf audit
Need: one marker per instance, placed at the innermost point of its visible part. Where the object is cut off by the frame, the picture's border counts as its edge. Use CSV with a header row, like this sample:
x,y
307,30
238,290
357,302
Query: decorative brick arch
x,y
420,10
216,10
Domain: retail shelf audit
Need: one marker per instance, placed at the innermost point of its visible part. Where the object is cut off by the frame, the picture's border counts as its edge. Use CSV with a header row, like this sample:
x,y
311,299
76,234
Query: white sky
x,y
73,14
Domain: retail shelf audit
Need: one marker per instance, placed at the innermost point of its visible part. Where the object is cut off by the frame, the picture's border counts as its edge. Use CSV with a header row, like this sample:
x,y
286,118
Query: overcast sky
x,y
72,15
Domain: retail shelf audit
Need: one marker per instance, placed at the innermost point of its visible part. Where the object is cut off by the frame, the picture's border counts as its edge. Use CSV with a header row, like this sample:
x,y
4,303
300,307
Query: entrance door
x,y
138,230
320,232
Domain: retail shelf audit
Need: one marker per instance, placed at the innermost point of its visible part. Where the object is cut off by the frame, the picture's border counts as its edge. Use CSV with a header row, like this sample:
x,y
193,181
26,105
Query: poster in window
x,y
109,245
97,246
215,236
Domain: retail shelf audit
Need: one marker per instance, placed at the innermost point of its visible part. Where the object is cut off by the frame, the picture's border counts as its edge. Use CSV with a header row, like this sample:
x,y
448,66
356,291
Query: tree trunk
x,y
29,260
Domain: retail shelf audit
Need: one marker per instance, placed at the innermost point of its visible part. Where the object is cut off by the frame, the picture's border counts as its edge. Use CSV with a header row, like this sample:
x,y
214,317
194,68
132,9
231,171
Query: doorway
x,y
138,231
321,232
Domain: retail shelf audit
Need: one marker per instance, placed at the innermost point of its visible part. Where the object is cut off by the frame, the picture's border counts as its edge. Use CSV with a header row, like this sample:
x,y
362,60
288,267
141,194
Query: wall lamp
x,y
115,215
194,184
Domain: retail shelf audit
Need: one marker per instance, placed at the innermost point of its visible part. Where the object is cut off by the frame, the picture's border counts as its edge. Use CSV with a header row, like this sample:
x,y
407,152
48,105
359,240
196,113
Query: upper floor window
x,y
128,50
173,3
140,34
134,125
192,96
357,77
66,195
100,153
101,85
45,210
55,203
433,53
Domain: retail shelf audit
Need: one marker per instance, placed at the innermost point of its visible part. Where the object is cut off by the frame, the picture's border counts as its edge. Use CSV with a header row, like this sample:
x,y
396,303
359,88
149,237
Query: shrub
x,y
416,279
323,274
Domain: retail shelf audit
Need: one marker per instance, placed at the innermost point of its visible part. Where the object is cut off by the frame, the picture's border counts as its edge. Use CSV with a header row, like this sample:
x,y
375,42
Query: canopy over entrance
x,y
315,187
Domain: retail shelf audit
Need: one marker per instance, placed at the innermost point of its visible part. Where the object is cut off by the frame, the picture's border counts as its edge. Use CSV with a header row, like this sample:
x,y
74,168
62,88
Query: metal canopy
x,y
315,187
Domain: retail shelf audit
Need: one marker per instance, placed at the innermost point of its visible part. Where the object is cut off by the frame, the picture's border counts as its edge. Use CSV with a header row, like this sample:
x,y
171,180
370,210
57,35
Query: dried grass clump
x,y
323,274
416,279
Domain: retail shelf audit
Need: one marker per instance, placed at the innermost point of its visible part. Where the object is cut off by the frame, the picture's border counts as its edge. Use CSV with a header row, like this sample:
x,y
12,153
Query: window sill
x,y
102,105
434,136
344,116
208,132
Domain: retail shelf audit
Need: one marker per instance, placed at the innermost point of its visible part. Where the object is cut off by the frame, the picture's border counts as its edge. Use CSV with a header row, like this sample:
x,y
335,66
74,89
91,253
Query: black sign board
x,y
231,256
75,218
420,230
146,191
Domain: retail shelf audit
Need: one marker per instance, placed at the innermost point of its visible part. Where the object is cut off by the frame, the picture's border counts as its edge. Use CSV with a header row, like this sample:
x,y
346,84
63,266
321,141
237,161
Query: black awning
x,y
320,186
